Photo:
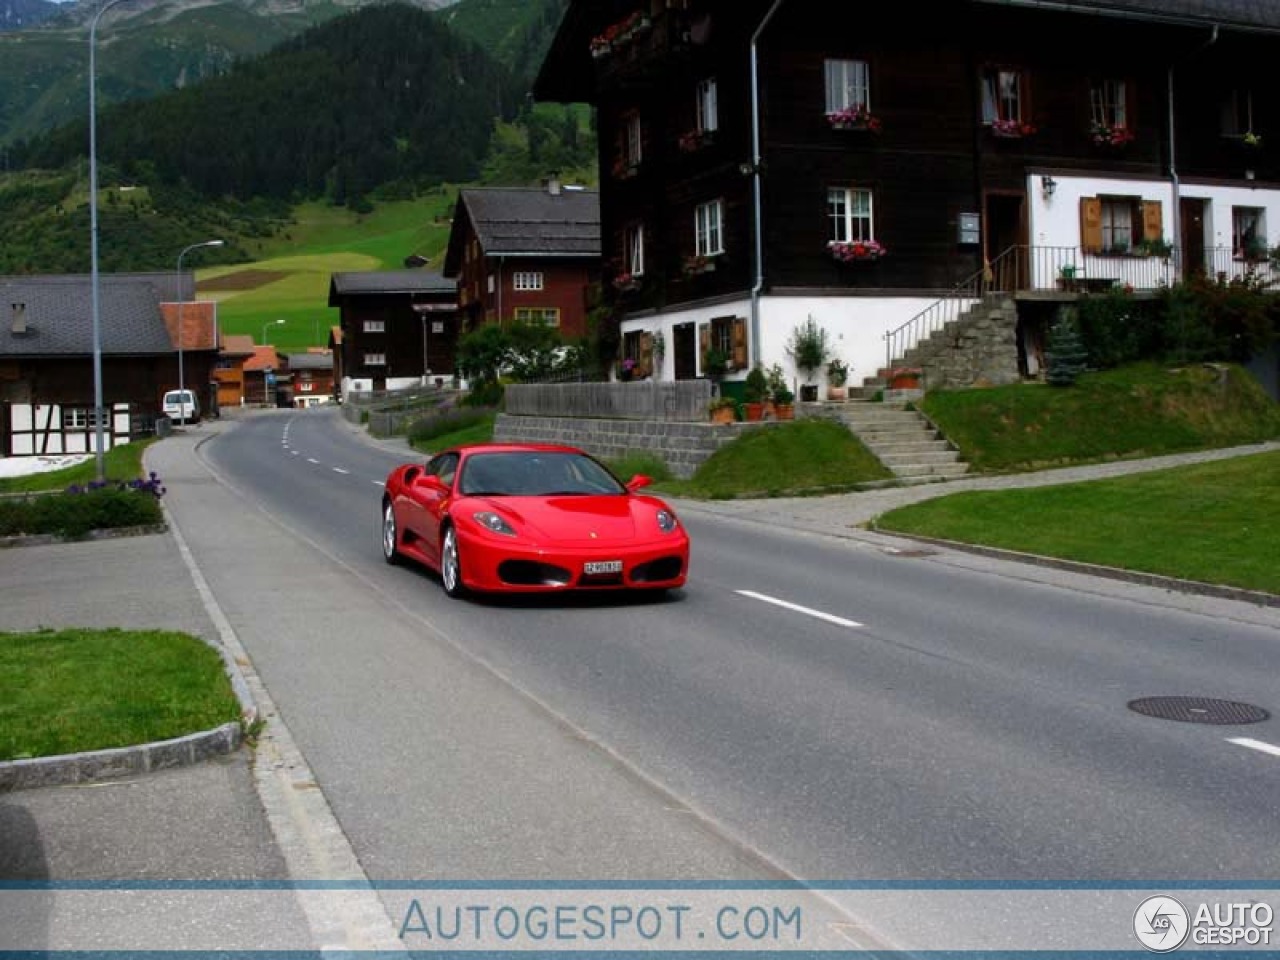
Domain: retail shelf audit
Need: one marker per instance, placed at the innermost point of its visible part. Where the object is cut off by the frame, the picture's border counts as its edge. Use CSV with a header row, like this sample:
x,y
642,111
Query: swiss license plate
x,y
594,567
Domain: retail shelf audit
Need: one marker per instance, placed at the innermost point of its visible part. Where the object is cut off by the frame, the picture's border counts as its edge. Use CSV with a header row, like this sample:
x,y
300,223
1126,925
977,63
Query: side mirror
x,y
431,483
638,482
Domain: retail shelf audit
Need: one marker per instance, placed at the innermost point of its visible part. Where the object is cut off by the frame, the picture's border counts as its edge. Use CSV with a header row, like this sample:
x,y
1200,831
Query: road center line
x,y
807,611
340,470
1259,745
310,460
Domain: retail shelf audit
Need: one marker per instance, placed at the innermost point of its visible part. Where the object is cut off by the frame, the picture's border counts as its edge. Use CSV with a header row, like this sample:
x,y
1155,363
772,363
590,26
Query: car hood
x,y
582,521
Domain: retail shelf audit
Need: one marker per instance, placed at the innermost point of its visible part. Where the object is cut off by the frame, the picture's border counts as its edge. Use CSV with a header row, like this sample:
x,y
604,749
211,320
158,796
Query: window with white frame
x,y
1237,114
633,249
708,228
707,106
1002,95
375,359
528,280
632,142
375,326
848,85
79,418
538,316
849,212
1107,104
1249,233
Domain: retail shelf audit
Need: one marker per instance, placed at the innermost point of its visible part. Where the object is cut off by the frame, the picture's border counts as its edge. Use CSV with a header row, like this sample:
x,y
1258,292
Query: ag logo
x,y
1161,923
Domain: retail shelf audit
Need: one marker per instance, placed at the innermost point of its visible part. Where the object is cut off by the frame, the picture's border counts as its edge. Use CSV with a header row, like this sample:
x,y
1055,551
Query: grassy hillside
x,y
289,280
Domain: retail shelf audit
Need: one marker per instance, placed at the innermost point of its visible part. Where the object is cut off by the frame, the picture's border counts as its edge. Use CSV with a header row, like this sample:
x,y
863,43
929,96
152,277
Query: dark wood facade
x,y
933,158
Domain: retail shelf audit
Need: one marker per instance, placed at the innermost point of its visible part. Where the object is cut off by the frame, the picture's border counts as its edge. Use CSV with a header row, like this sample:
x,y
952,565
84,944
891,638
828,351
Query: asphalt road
x,y
807,707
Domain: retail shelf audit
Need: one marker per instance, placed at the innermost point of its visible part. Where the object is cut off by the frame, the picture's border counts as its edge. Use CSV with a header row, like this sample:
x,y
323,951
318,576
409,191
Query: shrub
x,y
77,511
445,420
1065,356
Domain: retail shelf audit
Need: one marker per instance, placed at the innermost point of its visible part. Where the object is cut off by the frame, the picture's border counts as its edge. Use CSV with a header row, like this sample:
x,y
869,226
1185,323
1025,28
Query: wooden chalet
x,y
310,378
398,329
526,256
47,383
894,175
236,350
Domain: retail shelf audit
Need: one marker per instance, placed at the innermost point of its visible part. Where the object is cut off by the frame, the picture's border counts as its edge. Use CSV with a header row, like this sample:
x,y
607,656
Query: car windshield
x,y
521,473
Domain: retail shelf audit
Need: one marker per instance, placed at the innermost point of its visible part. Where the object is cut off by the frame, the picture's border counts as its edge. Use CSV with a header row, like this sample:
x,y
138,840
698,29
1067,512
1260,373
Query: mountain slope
x,y
381,95
22,14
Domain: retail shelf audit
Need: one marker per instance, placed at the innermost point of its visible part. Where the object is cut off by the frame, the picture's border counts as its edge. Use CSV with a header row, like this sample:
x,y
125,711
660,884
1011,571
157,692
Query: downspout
x,y
1175,214
757,203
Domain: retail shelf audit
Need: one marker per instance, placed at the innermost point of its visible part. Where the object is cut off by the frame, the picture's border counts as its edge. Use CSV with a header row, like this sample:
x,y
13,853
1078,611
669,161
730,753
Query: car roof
x,y
472,448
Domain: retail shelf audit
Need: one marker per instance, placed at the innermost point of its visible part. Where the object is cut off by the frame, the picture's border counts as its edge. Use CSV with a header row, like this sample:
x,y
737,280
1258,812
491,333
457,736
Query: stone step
x,y
930,470
891,433
911,446
931,459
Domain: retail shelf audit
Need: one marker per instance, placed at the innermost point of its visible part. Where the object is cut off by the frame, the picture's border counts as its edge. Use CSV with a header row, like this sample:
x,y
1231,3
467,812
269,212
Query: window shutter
x,y
646,353
1152,220
704,343
739,343
1091,224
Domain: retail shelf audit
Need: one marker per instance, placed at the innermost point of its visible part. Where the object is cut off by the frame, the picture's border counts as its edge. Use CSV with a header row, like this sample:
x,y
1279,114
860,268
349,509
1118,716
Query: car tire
x,y
451,563
390,534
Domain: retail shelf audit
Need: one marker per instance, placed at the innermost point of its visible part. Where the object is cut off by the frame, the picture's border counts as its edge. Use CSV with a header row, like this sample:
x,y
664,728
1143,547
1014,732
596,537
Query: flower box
x,y
854,118
1011,129
626,282
856,251
697,265
1109,136
696,140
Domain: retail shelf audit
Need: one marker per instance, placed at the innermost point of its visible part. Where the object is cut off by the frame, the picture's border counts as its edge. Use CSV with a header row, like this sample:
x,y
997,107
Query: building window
x,y
849,211
1237,114
528,280
375,326
632,151
1002,96
78,418
707,106
708,227
1118,219
538,316
1248,233
848,85
633,249
1107,105
375,359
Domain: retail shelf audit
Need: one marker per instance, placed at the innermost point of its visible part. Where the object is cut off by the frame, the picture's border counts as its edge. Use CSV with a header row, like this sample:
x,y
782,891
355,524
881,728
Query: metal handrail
x,y
994,275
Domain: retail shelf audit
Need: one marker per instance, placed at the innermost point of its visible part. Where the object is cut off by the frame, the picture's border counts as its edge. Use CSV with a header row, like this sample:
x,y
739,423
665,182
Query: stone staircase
x,y
902,439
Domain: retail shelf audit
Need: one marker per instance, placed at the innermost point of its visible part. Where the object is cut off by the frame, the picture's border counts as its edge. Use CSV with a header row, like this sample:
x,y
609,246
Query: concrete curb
x,y
140,758
1172,584
112,533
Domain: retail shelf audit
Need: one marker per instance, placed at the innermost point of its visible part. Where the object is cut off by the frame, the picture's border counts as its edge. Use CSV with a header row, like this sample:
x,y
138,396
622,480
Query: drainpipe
x,y
1175,214
753,356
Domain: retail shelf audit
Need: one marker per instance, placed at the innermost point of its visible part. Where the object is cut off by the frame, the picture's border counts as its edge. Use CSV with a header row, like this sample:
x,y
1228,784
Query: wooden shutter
x,y
739,343
1091,224
704,344
646,354
1152,221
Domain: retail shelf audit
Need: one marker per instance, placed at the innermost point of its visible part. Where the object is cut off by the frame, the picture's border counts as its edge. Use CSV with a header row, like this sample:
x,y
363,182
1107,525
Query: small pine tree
x,y
1065,357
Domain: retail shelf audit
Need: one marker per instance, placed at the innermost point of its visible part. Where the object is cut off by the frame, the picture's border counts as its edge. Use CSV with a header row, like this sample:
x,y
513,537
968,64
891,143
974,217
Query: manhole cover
x,y
1198,710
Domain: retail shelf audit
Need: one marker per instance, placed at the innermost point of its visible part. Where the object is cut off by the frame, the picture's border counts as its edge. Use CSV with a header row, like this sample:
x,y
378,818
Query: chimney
x,y
19,318
553,184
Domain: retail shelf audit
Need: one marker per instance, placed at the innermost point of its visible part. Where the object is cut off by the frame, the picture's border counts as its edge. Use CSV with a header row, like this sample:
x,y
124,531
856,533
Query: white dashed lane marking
x,y
796,608
1260,745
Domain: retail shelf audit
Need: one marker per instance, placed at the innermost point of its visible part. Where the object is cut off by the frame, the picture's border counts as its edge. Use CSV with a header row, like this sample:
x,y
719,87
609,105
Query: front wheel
x,y
390,536
451,564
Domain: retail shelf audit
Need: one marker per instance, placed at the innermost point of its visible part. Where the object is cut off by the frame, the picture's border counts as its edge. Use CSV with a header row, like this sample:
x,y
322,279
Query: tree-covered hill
x,y
382,95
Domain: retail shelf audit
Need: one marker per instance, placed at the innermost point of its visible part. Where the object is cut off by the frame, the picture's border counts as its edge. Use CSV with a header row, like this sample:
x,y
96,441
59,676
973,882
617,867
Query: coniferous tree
x,y
1065,356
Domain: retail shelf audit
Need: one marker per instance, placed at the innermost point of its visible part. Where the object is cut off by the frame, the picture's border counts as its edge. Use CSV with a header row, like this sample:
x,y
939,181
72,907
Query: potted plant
x,y
905,378
755,392
715,363
723,409
809,348
837,377
627,369
780,393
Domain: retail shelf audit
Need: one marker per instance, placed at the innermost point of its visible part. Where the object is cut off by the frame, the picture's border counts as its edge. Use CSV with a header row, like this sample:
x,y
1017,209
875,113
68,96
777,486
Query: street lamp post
x,y
182,388
266,373
99,416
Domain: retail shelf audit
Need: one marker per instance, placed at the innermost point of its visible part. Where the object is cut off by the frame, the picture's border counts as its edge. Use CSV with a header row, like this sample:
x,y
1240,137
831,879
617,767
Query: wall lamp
x,y
1047,186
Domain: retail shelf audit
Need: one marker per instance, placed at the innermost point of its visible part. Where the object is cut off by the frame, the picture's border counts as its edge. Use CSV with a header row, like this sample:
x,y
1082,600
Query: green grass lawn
x,y
1136,411
120,463
1214,522
71,690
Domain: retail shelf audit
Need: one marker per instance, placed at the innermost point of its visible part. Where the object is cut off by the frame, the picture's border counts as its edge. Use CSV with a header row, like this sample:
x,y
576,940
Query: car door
x,y
428,502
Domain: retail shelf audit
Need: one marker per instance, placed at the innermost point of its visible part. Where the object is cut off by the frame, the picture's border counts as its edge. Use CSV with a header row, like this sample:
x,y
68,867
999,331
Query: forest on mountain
x,y
384,103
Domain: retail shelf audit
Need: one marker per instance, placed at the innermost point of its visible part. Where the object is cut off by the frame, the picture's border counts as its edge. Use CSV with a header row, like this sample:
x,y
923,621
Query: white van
x,y
181,405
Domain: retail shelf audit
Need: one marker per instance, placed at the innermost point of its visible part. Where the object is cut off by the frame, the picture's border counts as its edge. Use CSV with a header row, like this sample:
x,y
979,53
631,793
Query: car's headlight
x,y
493,522
667,521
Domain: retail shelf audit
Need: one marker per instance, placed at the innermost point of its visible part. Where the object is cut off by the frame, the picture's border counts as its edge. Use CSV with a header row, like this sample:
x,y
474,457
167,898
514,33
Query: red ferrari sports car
x,y
530,518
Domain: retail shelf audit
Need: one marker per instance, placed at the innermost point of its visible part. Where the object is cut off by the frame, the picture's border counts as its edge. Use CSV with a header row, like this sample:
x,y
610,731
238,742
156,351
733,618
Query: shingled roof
x,y
1230,14
526,221
58,317
389,282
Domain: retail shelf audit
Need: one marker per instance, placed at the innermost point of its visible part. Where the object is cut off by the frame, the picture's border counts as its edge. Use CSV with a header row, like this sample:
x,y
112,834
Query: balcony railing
x,y
1073,270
